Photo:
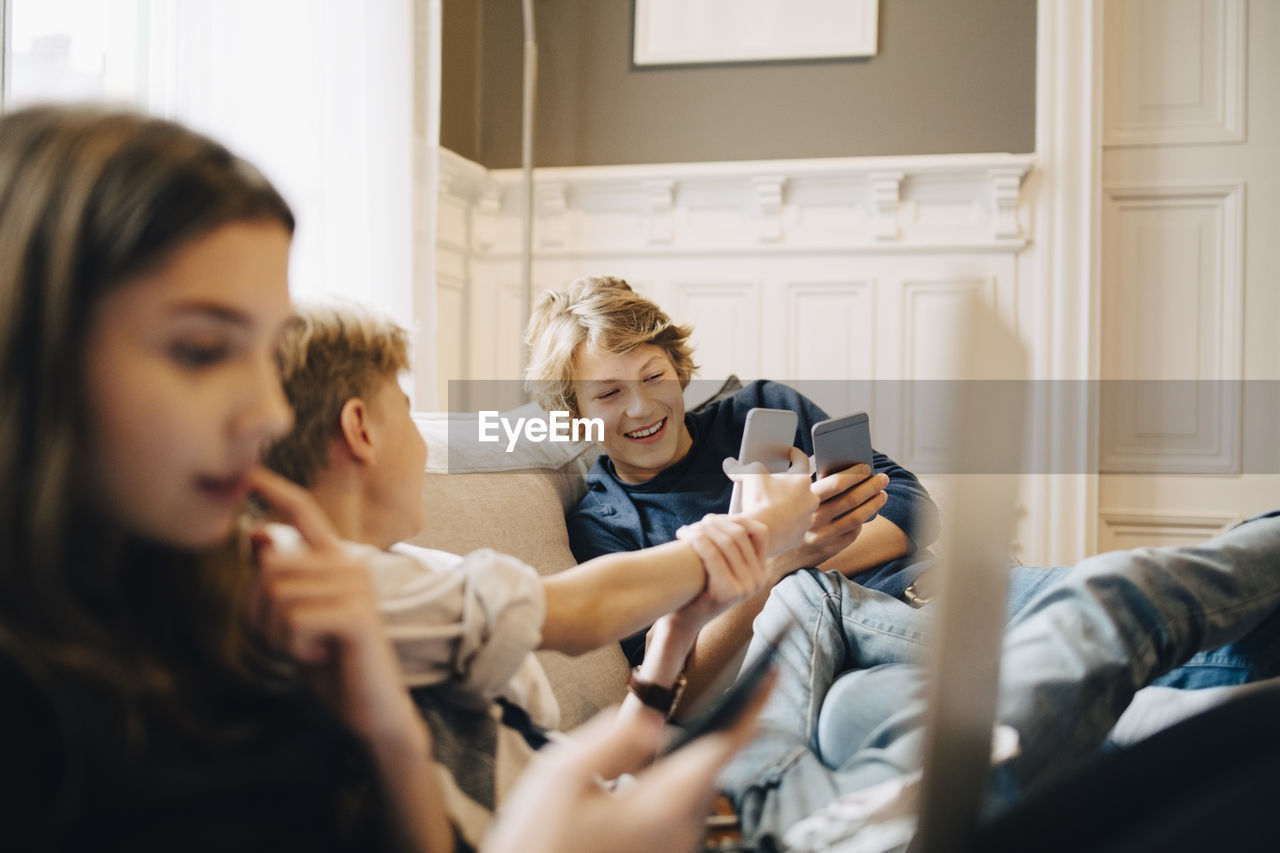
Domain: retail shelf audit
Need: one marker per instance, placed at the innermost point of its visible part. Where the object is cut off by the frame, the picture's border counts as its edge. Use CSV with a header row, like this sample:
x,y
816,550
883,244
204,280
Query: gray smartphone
x,y
841,443
767,438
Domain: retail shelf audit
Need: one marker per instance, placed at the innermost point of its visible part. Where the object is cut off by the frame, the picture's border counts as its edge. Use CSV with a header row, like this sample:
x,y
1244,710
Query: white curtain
x,y
319,95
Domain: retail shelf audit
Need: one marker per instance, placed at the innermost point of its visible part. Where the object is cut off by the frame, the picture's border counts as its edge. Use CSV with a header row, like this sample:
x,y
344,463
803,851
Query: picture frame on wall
x,y
694,32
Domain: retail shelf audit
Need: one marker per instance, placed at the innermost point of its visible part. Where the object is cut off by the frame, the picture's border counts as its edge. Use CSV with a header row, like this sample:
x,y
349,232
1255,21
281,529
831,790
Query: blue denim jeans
x,y
848,708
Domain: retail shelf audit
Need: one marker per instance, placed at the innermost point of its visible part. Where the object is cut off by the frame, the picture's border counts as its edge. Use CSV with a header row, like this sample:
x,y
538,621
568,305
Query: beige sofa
x,y
481,496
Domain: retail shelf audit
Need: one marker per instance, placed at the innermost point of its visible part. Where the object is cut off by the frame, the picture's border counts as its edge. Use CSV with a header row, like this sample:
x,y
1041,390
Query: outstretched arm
x,y
618,594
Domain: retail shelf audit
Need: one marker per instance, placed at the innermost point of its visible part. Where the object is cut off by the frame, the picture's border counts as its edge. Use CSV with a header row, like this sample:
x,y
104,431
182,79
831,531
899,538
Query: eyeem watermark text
x,y
558,427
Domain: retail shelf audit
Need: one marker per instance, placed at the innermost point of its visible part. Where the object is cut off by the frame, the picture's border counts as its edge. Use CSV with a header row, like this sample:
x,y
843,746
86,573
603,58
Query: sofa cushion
x,y
478,495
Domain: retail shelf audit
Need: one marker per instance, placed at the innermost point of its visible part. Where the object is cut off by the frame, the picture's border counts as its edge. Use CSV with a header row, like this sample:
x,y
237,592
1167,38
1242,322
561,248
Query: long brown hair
x,y
91,199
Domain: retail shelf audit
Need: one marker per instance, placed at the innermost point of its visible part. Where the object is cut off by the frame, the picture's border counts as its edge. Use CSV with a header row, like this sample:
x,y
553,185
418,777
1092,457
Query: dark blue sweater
x,y
617,516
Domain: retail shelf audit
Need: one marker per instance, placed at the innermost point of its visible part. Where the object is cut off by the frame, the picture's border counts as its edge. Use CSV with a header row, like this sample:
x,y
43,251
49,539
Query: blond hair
x,y
327,356
601,314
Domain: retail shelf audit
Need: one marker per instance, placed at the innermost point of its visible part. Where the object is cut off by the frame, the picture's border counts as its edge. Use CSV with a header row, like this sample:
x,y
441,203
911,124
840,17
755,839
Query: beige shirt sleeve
x,y
471,622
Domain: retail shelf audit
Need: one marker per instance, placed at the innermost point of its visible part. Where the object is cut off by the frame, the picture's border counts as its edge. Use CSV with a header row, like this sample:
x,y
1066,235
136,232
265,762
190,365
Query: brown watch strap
x,y
661,699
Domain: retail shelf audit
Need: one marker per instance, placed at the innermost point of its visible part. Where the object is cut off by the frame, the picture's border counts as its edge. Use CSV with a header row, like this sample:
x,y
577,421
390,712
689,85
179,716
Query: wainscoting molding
x,y
1122,529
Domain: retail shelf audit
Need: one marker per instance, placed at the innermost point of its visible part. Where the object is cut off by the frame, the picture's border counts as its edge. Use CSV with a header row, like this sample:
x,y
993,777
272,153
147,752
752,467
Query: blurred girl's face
x,y
182,388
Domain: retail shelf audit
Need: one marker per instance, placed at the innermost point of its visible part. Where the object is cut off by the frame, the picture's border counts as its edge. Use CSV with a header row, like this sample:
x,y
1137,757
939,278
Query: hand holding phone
x,y
841,443
767,438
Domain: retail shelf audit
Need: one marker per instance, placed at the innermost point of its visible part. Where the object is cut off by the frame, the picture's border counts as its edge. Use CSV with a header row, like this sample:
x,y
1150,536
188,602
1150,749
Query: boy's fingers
x,y
731,559
736,470
759,533
866,494
800,462
748,553
840,482
849,520
713,560
735,538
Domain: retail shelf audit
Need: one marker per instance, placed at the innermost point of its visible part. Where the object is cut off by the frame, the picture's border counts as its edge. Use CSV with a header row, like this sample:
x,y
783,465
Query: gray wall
x,y
950,76
461,94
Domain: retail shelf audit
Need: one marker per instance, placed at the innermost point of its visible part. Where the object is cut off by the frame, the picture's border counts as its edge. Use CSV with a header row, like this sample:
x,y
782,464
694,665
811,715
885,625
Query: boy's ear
x,y
356,429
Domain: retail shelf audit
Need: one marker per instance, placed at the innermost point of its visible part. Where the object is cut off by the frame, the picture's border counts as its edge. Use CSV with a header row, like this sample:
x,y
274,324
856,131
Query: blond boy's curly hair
x,y
601,314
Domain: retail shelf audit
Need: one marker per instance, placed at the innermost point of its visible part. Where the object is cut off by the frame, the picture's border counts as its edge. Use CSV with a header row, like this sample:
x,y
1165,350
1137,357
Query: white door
x,y
1190,268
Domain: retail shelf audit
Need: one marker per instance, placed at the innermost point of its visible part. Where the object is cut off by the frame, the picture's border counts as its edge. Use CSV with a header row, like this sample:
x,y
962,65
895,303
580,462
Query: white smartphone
x,y
767,438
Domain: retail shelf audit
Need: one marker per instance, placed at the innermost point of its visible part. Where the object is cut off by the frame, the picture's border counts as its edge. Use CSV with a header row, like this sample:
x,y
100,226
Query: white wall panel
x,y
929,310
830,330
1175,72
726,325
1172,303
830,336
928,339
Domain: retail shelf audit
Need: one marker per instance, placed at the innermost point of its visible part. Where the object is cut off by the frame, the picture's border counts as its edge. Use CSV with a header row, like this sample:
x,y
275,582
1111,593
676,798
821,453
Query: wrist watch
x,y
661,699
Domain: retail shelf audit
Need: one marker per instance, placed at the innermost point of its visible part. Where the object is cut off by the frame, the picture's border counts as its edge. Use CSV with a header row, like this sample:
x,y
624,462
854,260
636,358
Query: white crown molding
x,y
821,167
659,209
463,179
761,249
871,205
851,205
886,188
1007,182
768,198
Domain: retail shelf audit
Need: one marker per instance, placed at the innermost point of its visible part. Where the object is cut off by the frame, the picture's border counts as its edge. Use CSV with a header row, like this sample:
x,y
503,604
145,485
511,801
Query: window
x,y
316,93
75,50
